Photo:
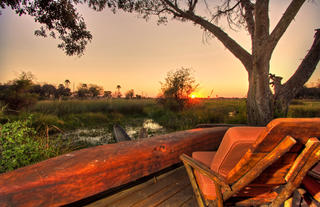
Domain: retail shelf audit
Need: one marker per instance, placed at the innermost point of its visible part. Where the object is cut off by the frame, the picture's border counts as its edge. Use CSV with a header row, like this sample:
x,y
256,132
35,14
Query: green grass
x,y
74,114
305,108
57,116
61,108
205,111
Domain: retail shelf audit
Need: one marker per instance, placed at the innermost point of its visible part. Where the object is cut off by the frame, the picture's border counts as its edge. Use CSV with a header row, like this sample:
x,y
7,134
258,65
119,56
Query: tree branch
x,y
261,27
192,5
305,69
227,41
224,12
248,15
283,23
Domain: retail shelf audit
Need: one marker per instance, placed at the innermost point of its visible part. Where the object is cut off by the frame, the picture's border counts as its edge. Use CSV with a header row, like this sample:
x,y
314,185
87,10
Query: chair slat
x,y
275,154
311,145
299,128
295,181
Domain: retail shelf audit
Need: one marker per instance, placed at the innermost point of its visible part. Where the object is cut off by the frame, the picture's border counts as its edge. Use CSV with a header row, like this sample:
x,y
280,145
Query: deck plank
x,y
170,189
163,195
179,199
192,202
123,195
163,185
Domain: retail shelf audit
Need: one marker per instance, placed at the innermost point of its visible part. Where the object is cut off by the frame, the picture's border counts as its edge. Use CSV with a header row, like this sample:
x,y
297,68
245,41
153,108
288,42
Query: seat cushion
x,y
234,145
205,184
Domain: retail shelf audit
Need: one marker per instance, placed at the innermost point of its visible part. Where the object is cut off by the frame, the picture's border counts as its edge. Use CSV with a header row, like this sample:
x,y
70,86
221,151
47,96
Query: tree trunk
x,y
259,99
281,105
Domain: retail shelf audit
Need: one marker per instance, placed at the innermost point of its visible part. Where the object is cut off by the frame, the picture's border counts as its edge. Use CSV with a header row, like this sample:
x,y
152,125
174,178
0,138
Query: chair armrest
x,y
203,169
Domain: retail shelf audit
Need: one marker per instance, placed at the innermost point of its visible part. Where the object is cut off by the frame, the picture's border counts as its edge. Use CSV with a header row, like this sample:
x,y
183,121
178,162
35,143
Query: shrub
x,y
16,94
177,88
20,145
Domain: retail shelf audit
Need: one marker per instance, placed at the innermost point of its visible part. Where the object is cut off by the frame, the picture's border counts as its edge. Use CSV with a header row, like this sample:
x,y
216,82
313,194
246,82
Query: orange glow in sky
x,y
135,54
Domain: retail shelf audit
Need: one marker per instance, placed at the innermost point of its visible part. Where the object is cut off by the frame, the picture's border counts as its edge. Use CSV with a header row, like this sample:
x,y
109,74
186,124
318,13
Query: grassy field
x,y
304,108
75,114
62,126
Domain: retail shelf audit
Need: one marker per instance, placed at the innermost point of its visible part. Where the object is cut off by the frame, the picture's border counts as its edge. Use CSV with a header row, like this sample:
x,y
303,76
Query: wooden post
x,y
218,194
194,185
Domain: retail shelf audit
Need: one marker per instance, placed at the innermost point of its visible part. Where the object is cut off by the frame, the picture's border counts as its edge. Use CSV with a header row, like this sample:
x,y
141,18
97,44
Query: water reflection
x,y
104,136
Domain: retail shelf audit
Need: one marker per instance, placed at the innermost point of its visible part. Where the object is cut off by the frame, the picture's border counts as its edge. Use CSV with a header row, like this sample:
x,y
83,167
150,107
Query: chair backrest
x,y
300,129
235,143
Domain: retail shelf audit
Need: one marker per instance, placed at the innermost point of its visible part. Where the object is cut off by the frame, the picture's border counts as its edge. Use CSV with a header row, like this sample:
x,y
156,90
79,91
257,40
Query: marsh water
x,y
99,136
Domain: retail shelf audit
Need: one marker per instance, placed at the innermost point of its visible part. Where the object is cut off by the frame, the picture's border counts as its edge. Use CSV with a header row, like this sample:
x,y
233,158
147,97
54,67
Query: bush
x,y
16,94
177,88
20,146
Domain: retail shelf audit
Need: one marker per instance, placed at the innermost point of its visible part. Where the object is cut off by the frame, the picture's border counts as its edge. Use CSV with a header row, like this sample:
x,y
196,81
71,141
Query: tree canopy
x,y
179,84
176,89
16,93
59,19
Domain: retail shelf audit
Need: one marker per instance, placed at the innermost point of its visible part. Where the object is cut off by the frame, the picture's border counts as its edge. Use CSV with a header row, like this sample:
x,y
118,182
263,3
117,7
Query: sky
x,y
135,54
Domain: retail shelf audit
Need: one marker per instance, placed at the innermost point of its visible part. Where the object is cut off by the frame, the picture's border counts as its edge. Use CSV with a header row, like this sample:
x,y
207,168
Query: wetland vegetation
x,y
57,127
33,129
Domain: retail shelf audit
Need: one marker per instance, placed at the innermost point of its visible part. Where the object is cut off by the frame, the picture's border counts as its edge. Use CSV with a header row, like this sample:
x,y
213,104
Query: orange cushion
x,y
234,145
205,184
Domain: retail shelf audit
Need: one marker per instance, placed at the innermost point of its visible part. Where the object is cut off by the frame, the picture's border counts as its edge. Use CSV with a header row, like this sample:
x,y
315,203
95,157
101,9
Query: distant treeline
x,y
22,92
309,93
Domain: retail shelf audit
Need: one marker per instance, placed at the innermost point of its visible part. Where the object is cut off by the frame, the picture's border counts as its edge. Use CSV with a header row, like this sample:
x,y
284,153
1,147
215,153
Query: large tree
x,y
263,104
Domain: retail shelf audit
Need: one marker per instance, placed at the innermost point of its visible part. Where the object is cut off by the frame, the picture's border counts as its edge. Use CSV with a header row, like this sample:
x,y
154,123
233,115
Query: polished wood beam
x,y
84,173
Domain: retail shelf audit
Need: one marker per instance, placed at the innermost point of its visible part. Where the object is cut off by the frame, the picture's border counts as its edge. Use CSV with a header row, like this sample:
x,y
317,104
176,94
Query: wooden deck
x,y
172,189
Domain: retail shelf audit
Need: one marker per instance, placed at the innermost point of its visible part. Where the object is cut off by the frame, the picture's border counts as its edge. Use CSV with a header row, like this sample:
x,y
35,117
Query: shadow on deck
x,y
172,189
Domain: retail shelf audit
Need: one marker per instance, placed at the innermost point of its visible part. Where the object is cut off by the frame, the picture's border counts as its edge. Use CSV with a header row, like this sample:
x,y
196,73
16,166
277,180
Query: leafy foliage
x,y
309,93
107,94
118,94
20,146
16,94
95,90
59,18
62,91
176,89
85,91
129,94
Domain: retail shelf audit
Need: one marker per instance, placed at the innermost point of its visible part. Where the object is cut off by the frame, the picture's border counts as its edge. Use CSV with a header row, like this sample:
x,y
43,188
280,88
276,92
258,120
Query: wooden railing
x,y
84,173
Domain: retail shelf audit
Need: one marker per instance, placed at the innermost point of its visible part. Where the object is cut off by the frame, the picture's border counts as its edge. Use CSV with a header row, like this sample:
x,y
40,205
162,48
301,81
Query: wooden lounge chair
x,y
256,165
